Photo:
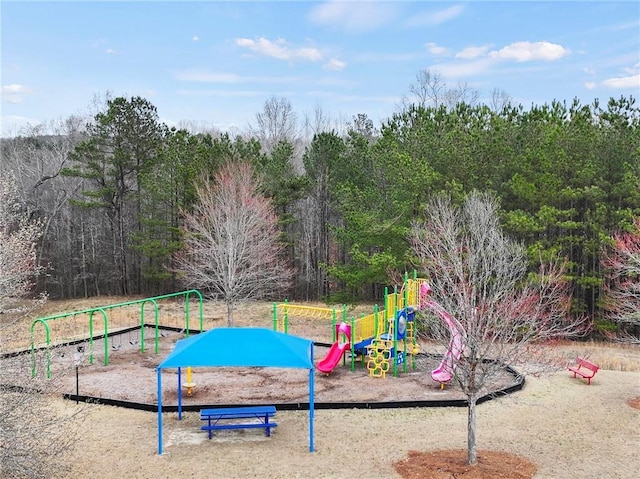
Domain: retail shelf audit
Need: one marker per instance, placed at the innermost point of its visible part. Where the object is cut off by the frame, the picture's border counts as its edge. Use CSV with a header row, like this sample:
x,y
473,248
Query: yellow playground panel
x,y
377,323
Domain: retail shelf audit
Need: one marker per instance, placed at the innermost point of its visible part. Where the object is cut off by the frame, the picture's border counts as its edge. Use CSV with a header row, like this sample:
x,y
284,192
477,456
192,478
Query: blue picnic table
x,y
217,418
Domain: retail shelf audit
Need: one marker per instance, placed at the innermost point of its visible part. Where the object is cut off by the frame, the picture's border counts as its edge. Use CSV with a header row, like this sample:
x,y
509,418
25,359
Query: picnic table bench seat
x,y
217,418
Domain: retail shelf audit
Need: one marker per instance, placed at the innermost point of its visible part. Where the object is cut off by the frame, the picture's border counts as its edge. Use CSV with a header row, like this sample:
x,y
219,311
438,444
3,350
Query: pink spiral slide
x,y
444,372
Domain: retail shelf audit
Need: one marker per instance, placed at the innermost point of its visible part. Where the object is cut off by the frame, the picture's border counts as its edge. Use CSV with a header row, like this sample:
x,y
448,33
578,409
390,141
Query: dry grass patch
x,y
607,355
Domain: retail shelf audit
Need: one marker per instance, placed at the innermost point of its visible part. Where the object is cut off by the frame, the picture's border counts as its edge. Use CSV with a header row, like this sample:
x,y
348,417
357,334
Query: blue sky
x,y
216,63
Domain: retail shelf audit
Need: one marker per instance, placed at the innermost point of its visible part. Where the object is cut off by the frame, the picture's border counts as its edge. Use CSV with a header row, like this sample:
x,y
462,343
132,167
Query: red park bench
x,y
585,369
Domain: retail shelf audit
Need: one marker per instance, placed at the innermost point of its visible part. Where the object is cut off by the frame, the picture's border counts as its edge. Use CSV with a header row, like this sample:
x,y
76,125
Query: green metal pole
x,y
142,327
91,337
106,336
156,317
186,315
200,309
286,317
333,325
275,316
33,351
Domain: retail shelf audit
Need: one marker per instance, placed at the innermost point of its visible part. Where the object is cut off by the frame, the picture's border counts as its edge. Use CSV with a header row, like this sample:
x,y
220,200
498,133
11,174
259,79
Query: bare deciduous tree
x,y
36,160
499,100
363,125
461,93
622,294
18,238
32,439
429,89
276,122
319,122
481,278
232,247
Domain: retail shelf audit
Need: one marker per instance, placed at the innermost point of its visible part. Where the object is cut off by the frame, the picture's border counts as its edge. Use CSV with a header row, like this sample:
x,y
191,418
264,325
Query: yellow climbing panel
x,y
379,353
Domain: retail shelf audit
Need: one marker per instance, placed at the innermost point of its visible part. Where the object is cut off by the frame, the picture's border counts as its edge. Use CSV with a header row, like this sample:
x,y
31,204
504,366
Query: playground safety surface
x,y
131,376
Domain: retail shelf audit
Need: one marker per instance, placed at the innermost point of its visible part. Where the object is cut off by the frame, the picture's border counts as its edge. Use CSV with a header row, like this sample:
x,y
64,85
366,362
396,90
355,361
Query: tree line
x,y
112,194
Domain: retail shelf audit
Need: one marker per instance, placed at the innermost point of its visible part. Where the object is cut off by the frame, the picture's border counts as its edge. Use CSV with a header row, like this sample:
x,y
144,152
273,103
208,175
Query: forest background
x,y
111,190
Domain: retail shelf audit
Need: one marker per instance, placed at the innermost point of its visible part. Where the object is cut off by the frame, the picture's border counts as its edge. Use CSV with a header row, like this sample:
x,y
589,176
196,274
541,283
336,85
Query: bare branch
x,y
480,277
428,89
622,290
31,440
18,238
231,240
499,100
276,122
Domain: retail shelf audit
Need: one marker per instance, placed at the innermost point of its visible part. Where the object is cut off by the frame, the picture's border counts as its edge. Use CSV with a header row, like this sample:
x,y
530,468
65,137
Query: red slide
x,y
333,357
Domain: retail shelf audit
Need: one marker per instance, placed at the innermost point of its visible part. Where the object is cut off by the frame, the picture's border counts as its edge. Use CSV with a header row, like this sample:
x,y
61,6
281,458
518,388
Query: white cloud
x,y
464,69
435,18
110,51
354,17
14,92
632,81
335,64
590,85
436,50
13,89
472,52
530,51
279,49
195,38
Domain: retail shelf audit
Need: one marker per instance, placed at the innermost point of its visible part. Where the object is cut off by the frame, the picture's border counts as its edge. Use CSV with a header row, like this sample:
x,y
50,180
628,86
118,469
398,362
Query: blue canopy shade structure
x,y
239,347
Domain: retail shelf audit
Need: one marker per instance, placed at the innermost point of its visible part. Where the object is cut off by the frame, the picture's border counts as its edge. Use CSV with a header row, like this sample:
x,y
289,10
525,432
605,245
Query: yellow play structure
x,y
381,339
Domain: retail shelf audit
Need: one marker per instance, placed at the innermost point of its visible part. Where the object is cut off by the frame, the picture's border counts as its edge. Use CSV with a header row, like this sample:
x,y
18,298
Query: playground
x,y
541,423
362,360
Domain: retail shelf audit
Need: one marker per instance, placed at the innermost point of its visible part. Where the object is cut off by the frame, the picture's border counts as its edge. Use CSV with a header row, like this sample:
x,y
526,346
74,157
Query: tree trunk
x,y
229,314
472,456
